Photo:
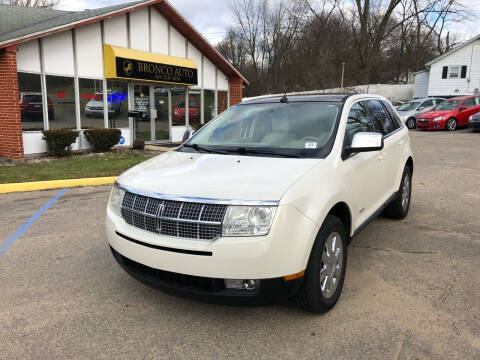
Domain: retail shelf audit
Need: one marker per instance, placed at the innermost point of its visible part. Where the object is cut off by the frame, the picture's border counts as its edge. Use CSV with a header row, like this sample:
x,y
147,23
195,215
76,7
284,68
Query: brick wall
x,y
11,142
236,89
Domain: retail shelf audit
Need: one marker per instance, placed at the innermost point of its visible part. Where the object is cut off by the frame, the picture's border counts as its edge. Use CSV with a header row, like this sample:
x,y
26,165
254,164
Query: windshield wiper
x,y
247,150
204,149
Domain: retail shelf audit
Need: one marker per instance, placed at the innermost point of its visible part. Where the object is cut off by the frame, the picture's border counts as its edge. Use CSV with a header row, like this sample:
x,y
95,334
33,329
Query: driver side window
x,y
358,121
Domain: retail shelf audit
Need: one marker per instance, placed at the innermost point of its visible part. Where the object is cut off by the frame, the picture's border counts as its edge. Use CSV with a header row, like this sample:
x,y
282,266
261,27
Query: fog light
x,y
241,284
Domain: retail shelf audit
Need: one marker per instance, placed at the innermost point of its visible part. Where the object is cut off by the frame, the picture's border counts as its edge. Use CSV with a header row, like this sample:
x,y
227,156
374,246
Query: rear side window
x,y
358,121
393,114
427,103
469,103
438,101
382,121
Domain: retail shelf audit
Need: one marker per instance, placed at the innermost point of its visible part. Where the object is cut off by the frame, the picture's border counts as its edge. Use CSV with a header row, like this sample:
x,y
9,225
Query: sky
x,y
213,17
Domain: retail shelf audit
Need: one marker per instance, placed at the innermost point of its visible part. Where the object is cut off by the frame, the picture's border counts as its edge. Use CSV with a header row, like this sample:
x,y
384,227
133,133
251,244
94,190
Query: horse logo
x,y
128,67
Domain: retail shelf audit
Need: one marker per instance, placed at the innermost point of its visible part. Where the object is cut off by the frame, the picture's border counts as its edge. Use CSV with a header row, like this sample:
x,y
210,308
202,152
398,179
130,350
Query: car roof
x,y
300,98
426,98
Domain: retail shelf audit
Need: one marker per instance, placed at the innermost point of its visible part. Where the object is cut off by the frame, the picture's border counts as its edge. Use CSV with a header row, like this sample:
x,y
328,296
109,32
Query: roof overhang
x,y
173,16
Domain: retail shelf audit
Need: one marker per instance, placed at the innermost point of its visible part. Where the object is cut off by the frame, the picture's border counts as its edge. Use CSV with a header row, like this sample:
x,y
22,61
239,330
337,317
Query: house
x,y
455,73
139,67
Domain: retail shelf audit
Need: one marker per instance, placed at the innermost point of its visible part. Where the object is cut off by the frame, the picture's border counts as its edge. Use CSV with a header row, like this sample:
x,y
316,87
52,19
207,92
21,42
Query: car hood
x,y
435,113
215,176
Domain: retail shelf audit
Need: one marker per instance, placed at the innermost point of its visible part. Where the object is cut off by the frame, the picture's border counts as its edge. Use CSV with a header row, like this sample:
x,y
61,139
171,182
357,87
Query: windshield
x,y
301,129
447,105
408,106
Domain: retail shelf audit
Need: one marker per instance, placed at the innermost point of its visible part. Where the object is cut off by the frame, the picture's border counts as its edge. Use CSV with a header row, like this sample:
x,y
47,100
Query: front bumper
x,y
210,290
428,124
474,125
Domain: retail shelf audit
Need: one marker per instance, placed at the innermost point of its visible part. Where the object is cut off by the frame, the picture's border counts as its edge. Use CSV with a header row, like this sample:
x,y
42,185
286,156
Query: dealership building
x,y
139,67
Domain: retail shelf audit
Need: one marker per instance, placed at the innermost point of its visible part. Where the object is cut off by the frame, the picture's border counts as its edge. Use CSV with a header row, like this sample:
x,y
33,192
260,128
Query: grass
x,y
74,167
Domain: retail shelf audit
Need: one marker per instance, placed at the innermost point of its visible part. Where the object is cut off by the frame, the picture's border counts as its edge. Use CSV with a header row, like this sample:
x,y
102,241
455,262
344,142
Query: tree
x,y
48,4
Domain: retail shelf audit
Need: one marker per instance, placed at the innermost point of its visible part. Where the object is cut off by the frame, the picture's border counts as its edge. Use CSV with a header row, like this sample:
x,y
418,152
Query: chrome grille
x,y
174,218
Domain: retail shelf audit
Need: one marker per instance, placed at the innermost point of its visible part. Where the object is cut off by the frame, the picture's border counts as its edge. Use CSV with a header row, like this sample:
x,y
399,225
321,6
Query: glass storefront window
x,y
31,102
118,99
178,106
194,100
61,92
209,106
143,127
162,127
222,100
91,104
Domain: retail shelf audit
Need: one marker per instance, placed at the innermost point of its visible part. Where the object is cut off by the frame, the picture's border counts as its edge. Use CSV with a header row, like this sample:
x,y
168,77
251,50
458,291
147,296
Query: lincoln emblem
x,y
128,67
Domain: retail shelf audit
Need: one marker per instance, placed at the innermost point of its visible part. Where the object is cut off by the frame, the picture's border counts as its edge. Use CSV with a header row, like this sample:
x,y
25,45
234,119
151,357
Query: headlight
x,y
248,220
116,199
440,118
470,118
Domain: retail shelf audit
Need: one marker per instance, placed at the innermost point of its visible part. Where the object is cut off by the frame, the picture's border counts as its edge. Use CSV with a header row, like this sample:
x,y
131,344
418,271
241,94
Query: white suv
x,y
261,203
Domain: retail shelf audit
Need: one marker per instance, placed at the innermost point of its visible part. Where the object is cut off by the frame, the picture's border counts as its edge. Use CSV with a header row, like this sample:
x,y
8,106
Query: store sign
x,y
144,70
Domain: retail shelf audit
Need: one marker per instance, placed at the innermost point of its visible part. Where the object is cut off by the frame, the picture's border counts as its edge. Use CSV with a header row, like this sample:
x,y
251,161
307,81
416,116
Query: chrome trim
x,y
177,219
199,199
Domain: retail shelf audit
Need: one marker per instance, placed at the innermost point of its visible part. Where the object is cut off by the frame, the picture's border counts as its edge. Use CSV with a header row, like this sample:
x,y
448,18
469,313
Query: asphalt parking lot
x,y
412,288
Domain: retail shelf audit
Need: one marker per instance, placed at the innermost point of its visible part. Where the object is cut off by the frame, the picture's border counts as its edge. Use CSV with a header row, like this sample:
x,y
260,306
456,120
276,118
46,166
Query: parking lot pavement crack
x,y
395,250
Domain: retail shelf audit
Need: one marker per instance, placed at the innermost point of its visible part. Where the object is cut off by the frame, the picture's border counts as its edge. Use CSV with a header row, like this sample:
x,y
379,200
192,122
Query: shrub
x,y
59,142
103,139
139,144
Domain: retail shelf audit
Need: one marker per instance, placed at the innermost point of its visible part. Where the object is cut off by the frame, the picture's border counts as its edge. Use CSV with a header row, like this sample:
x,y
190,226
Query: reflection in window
x,y
178,106
31,105
222,101
209,105
91,104
118,98
194,99
61,91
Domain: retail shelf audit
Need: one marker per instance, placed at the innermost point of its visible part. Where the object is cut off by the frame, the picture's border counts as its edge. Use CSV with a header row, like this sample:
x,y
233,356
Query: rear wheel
x,y
325,272
411,123
451,124
398,209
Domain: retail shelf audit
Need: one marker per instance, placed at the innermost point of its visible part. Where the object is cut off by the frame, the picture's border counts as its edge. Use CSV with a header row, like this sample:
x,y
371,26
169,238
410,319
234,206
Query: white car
x,y
261,203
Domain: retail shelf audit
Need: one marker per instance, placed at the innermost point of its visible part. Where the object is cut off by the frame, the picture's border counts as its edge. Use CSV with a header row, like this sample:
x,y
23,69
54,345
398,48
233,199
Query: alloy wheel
x,y
451,124
406,191
411,123
332,265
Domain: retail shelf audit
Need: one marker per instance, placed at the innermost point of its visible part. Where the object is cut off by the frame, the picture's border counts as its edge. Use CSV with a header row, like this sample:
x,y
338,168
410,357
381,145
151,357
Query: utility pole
x,y
343,74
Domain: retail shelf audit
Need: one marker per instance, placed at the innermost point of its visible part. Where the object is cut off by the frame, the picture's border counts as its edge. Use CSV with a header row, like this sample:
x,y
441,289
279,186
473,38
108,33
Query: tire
x,y
311,297
451,124
411,123
398,208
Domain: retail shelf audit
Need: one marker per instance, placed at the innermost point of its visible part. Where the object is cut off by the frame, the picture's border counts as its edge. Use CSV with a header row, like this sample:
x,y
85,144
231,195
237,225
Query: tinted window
x,y
438,101
393,115
408,106
358,121
469,102
380,118
428,103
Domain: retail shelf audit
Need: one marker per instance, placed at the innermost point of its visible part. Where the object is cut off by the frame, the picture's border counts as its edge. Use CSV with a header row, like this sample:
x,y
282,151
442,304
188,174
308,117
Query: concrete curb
x,y
55,184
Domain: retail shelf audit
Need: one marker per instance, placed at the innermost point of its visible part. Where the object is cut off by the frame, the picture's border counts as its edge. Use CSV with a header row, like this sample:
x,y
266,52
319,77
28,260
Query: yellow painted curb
x,y
55,184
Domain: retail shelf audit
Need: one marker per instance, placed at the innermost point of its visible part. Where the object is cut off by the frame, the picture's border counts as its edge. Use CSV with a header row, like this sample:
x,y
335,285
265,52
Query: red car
x,y
31,106
449,114
178,117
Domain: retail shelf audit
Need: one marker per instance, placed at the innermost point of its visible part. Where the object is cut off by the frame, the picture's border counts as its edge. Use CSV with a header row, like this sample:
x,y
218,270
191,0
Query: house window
x,y
454,72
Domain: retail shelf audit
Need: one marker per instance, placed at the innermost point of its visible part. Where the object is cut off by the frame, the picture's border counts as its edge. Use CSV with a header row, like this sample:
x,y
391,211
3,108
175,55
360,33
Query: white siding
x,y
33,143
88,41
159,33
115,30
177,43
208,74
28,56
195,55
469,56
58,53
139,30
222,81
420,87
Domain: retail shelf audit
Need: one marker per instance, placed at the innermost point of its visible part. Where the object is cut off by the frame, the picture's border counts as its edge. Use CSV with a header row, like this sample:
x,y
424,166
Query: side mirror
x,y
463,108
421,108
365,142
188,134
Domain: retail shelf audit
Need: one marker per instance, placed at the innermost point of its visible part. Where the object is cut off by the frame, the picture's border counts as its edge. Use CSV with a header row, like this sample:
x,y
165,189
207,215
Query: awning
x,y
123,63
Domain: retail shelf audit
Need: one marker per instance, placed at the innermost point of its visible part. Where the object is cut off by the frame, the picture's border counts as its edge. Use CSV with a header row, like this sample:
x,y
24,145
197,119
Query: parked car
x,y
31,106
259,205
450,114
474,122
409,111
94,107
178,117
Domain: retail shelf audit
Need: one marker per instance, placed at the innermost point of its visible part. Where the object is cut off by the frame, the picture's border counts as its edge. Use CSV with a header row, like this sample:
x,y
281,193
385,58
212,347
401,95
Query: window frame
x,y
450,67
344,145
393,120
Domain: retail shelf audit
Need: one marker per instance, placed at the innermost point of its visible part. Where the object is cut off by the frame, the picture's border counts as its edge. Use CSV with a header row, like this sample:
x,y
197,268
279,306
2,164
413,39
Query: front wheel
x,y
323,281
451,124
411,123
398,208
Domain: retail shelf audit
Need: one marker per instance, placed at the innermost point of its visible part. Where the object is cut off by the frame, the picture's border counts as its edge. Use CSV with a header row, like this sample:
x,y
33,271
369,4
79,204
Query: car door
x,y
363,172
390,156
470,107
427,105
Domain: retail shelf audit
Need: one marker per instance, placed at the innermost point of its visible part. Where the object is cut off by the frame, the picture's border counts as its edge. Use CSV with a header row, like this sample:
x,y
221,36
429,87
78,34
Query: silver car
x,y
409,111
